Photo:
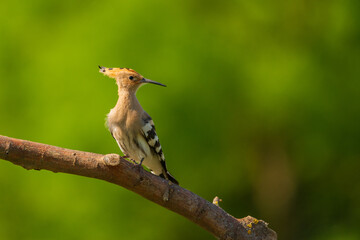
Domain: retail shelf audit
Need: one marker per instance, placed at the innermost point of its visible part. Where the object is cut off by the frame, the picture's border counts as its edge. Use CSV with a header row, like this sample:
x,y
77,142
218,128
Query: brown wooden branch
x,y
114,169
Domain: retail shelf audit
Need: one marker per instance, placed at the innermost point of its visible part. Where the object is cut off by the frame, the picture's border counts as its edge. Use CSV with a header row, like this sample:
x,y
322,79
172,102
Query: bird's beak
x,y
144,80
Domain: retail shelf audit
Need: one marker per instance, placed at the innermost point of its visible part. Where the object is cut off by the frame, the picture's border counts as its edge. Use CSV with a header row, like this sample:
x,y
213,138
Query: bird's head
x,y
127,78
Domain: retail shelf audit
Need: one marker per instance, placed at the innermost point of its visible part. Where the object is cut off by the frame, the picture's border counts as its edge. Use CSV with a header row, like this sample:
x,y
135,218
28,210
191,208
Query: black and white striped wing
x,y
149,133
148,130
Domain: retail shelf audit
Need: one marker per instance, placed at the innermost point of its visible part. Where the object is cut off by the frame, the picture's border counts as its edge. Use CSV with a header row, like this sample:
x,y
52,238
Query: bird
x,y
131,127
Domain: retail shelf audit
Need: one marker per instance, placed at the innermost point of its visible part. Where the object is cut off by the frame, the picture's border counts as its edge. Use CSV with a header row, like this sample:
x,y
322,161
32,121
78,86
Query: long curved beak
x,y
144,80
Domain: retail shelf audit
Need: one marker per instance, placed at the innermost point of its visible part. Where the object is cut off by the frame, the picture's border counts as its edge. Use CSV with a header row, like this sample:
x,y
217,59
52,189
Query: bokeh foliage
x,y
262,109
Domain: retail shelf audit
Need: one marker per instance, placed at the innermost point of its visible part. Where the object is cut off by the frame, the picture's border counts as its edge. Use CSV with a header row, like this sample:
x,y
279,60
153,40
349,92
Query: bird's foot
x,y
141,161
129,159
139,168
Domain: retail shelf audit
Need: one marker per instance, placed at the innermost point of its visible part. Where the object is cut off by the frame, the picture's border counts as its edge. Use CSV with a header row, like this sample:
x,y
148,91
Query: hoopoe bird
x,y
131,127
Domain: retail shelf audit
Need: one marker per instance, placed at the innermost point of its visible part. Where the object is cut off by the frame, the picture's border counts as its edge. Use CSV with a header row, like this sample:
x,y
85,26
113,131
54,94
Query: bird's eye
x,y
131,77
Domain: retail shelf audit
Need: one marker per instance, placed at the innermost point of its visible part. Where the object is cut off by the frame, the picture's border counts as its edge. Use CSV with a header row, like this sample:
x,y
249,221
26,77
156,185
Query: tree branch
x,y
114,169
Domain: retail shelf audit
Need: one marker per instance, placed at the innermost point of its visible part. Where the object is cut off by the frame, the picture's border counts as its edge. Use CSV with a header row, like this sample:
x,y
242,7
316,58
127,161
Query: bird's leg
x,y
140,170
137,164
141,161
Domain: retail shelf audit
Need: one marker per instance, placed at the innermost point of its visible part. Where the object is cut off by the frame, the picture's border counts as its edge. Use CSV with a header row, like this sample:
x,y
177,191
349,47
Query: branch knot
x,y
112,159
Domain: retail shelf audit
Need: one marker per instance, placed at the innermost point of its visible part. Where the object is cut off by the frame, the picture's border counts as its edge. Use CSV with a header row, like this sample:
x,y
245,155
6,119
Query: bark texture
x,y
114,169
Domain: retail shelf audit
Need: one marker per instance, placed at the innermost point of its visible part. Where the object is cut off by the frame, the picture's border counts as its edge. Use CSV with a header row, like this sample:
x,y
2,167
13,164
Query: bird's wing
x,y
149,133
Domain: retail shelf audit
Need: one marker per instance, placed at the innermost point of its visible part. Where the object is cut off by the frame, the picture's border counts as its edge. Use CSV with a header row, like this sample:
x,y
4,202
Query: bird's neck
x,y
127,99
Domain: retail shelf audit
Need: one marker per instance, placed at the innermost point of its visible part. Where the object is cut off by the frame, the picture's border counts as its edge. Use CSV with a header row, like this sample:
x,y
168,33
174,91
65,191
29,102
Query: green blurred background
x,y
262,109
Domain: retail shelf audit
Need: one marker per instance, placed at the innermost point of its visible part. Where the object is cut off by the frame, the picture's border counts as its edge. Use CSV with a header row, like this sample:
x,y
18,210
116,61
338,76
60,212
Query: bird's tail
x,y
169,177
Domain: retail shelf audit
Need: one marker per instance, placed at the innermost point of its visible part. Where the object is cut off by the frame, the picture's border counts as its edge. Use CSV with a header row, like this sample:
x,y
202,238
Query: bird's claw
x,y
133,161
141,161
130,159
